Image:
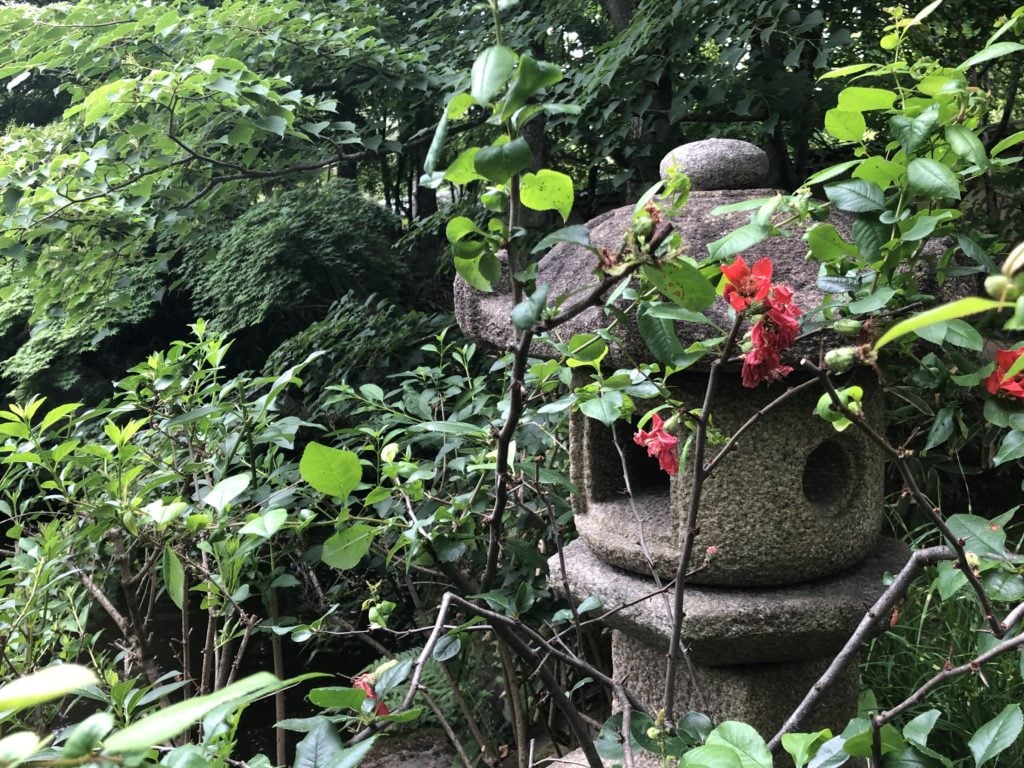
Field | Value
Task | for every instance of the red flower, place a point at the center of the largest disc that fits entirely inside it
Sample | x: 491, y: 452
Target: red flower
x: 661, y: 444
x: 745, y: 286
x: 365, y: 683
x: 763, y: 364
x: 998, y: 384
x: 775, y: 330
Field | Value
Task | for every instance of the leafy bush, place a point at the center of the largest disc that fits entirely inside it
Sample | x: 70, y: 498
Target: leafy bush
x: 287, y: 259
x: 362, y: 340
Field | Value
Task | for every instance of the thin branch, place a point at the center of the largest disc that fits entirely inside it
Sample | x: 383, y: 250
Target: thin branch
x: 899, y: 458
x: 691, y: 519
x: 868, y: 625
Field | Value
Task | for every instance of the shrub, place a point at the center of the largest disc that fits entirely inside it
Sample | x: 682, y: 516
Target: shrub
x: 288, y: 258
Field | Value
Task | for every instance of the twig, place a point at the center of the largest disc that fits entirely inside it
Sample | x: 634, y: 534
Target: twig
x: 899, y: 458
x: 882, y: 607
x: 691, y: 518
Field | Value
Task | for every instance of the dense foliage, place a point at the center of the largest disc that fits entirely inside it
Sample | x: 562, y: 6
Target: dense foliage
x: 287, y: 169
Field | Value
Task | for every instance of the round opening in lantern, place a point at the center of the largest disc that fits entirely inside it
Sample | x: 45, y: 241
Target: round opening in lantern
x: 827, y: 477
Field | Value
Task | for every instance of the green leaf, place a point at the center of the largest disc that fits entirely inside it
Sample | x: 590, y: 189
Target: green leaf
x: 163, y: 725
x: 463, y: 168
x: 459, y: 227
x: 917, y: 730
x: 738, y: 240
x: 481, y: 271
x: 826, y: 174
x: 1010, y: 449
x: 911, y: 133
x: 319, y: 747
x: 959, y: 308
x: 491, y: 71
x: 744, y: 741
x: 711, y: 756
x: 350, y: 757
x: 87, y: 735
x: 577, y: 233
x: 1010, y: 141
x: 447, y: 647
x: 332, y: 471
x: 873, y: 301
x: 660, y: 337
x: 337, y: 697
x: 531, y: 76
x: 17, y: 747
x: 45, y: 685
x: 859, y: 99
x: 436, y: 145
x: 267, y: 524
x: 12, y: 195
x: 174, y: 576
x: 942, y: 428
x: 547, y: 190
x: 966, y: 144
x: 606, y: 408
x: 226, y: 491
x: 682, y: 283
x: 932, y: 178
x: 997, y: 734
x: 980, y: 535
x: 271, y: 124
x: 827, y: 245
x: 459, y: 105
x: 845, y: 125
x: 348, y: 546
x: 994, y: 51
x: 528, y: 311
x: 801, y: 746
x: 500, y: 162
x: 856, y: 196
x: 850, y: 69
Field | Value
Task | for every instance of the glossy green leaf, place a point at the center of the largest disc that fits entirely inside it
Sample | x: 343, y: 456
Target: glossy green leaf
x: 527, y: 312
x: 994, y: 51
x: 337, y: 697
x: 577, y: 233
x: 711, y: 756
x: 227, y: 490
x: 960, y: 308
x: 606, y: 408
x: 861, y: 99
x: 87, y: 735
x: 45, y: 685
x: 463, y: 168
x: 980, y: 535
x: 941, y: 429
x: 801, y: 746
x: 932, y: 178
x: 502, y: 161
x: 320, y: 747
x: 436, y: 145
x: 737, y: 241
x: 997, y: 735
x: 447, y: 647
x: 1010, y: 449
x: 491, y: 71
x: 745, y: 741
x: 856, y: 196
x: 966, y: 144
x: 682, y: 283
x: 530, y: 77
x: 547, y: 190
x: 331, y: 471
x: 482, y: 271
x: 845, y: 125
x: 267, y: 524
x: 174, y: 576
x: 163, y: 725
x: 911, y: 133
x: 827, y: 245
x: 348, y: 546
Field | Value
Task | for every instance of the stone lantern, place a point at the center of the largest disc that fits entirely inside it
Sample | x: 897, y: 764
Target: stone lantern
x: 793, y: 513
